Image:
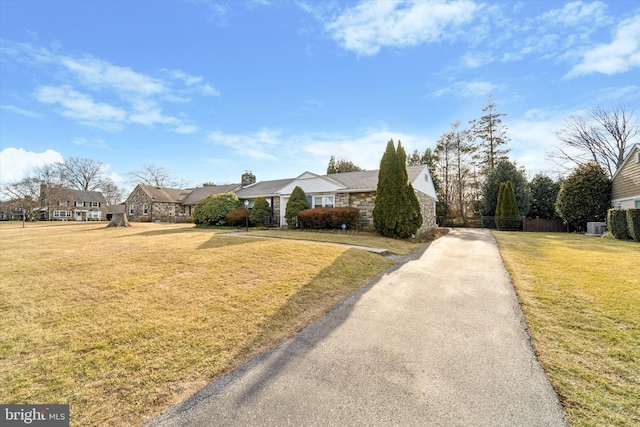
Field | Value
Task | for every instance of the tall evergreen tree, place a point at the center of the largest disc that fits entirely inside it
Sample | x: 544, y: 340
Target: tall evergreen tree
x: 396, y: 213
x: 544, y: 192
x: 297, y: 202
x: 492, y: 135
x: 341, y: 166
x: 503, y: 172
x: 507, y: 213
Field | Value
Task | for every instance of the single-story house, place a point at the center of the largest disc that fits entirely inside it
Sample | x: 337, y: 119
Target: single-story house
x: 349, y: 189
x: 148, y: 203
x: 625, y: 183
x: 76, y: 205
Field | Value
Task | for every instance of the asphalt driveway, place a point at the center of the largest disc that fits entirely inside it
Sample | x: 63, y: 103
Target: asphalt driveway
x: 438, y: 341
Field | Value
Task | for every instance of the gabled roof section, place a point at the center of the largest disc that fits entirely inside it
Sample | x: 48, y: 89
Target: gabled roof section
x: 263, y: 189
x: 627, y: 159
x: 87, y: 196
x: 200, y: 193
x: 164, y: 195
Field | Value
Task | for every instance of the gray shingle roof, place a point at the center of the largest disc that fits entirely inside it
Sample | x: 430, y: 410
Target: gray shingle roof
x: 263, y: 188
x: 87, y: 196
x: 165, y: 195
x: 200, y: 193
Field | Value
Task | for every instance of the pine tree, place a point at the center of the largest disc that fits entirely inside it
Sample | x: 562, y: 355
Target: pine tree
x: 499, y: 206
x: 492, y: 135
x: 507, y: 213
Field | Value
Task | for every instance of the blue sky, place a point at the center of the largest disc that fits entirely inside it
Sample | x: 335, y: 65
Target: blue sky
x: 210, y: 89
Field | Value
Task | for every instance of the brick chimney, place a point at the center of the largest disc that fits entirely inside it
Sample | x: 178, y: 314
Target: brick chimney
x: 248, y: 178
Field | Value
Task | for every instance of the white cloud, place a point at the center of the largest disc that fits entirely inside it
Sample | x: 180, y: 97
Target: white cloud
x: 101, y: 74
x: 619, y: 56
x: 186, y: 129
x: 467, y: 89
x: 262, y: 145
x: 90, y: 142
x: 82, y: 107
x: 18, y: 110
x: 577, y: 13
x: 16, y: 162
x: 369, y: 26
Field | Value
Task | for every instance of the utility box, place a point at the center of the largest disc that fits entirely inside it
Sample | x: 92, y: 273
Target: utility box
x: 596, y: 228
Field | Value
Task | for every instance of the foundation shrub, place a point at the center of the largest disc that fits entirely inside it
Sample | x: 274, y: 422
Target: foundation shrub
x: 328, y: 218
x: 237, y: 218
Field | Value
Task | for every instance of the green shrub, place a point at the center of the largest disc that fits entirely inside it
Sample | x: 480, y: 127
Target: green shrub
x: 633, y: 223
x: 237, y: 217
x: 507, y: 213
x: 617, y: 223
x: 213, y: 209
x: 329, y: 218
x: 297, y: 202
x: 259, y: 212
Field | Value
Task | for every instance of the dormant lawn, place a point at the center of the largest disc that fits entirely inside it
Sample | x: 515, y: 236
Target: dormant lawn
x: 581, y: 299
x: 121, y: 323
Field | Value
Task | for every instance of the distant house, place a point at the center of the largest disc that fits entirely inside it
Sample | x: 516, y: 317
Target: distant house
x: 625, y: 183
x: 349, y: 189
x: 76, y: 205
x: 148, y: 203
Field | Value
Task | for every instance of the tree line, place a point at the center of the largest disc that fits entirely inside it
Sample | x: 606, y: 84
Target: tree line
x: 469, y: 165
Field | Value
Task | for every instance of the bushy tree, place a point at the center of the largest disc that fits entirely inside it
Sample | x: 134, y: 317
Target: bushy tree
x: 213, y: 209
x: 503, y: 172
x: 259, y: 212
x: 397, y: 210
x: 584, y: 196
x: 297, y: 202
x: 544, y: 192
x: 340, y: 166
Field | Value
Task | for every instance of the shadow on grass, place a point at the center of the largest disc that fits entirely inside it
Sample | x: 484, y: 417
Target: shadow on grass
x: 303, y: 336
x: 222, y: 240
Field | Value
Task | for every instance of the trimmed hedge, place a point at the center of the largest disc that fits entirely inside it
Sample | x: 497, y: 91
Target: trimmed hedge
x: 617, y: 223
x: 633, y: 223
x: 329, y: 218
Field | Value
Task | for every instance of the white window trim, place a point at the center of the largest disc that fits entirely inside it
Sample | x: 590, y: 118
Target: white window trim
x: 94, y: 204
x: 325, y: 198
x: 80, y: 204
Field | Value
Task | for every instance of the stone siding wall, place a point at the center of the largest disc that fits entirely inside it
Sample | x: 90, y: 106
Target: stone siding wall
x: 364, y: 202
x: 137, y: 199
x: 428, y: 211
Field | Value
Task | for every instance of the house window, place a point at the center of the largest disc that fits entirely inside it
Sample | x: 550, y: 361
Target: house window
x: 131, y: 210
x: 322, y: 202
x: 63, y: 203
x: 95, y: 215
x: 61, y: 214
x: 145, y: 209
x: 79, y: 204
x: 95, y: 204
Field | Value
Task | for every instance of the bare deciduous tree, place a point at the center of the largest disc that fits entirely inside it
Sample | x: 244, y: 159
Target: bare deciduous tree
x: 82, y: 174
x: 155, y: 176
x: 111, y: 192
x: 25, y: 192
x: 603, y: 137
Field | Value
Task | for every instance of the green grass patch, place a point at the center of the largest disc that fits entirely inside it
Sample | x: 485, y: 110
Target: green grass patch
x: 122, y: 323
x: 581, y: 299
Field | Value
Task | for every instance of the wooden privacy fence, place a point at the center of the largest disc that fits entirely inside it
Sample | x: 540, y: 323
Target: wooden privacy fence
x: 537, y: 224
x: 544, y: 225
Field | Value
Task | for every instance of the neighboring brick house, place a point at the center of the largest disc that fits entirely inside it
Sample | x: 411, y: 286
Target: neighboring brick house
x: 625, y: 183
x: 350, y: 189
x: 148, y: 203
x: 76, y: 205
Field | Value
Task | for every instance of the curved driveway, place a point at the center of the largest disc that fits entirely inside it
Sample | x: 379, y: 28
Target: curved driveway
x: 438, y: 341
